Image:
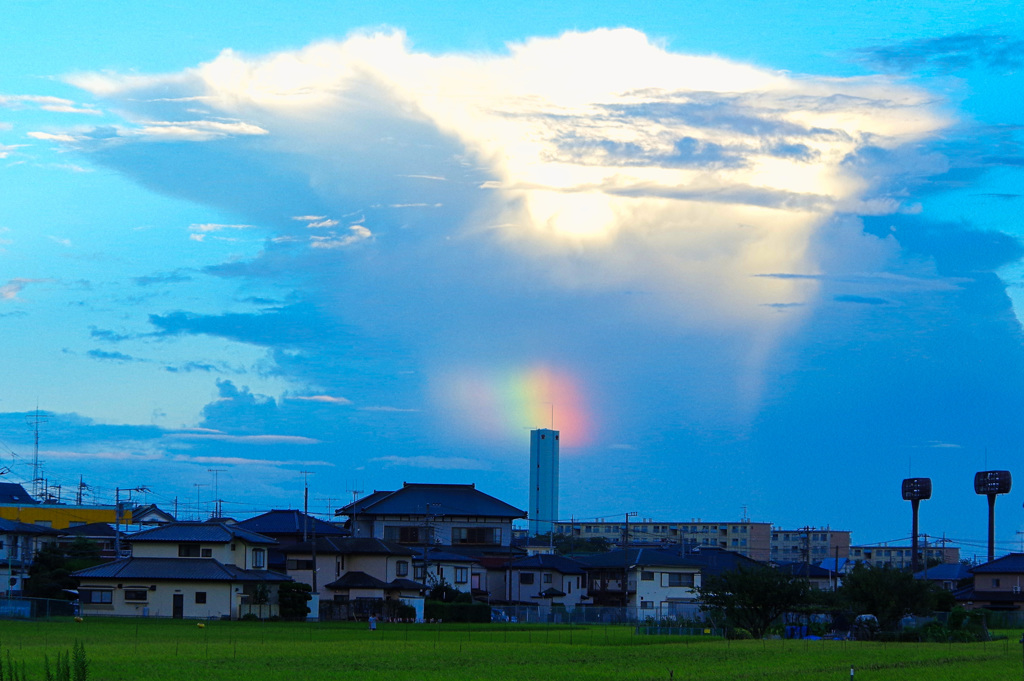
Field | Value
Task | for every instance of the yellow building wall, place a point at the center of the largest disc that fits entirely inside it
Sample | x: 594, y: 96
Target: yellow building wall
x: 61, y: 517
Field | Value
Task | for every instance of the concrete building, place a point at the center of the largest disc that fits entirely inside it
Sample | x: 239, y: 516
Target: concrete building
x: 543, y: 480
x: 900, y: 555
x: 744, y: 537
x: 809, y: 545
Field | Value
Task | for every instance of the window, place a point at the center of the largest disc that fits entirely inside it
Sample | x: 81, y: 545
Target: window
x: 200, y: 597
x: 677, y: 579
x: 44, y: 523
x: 461, y: 575
x: 76, y: 523
x: 188, y: 550
x: 418, y: 572
x: 646, y: 605
x: 259, y: 558
x: 995, y: 582
x: 476, y: 535
x: 646, y: 576
x: 402, y: 568
x: 299, y: 564
x: 136, y: 594
x: 97, y: 597
x: 526, y: 578
x: 206, y: 553
x: 547, y: 577
x: 407, y: 534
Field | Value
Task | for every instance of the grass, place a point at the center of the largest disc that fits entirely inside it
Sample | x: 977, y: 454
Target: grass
x: 158, y: 650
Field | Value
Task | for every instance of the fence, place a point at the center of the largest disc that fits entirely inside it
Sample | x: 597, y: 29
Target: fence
x: 667, y: 615
x: 36, y: 608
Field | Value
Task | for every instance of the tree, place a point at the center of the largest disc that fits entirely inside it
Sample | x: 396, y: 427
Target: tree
x: 292, y: 598
x: 887, y: 593
x: 752, y: 597
x: 49, y: 576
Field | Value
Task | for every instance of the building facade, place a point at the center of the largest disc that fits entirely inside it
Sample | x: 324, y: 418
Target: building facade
x: 543, y: 480
x: 744, y: 537
x: 810, y: 545
x: 901, y: 555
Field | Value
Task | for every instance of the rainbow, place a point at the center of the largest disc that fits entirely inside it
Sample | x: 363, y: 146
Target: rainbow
x: 504, y: 404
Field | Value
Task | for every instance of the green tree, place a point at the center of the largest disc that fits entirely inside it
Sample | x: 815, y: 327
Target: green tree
x: 50, y: 572
x: 887, y: 593
x: 292, y: 598
x: 752, y: 597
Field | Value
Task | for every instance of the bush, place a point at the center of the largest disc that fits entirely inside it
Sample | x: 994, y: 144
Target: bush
x: 457, y: 612
x: 250, y: 617
x: 739, y: 634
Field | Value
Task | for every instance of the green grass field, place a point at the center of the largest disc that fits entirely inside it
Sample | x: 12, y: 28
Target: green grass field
x: 158, y: 650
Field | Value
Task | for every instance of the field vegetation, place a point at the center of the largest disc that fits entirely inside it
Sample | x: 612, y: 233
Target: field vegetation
x: 165, y: 650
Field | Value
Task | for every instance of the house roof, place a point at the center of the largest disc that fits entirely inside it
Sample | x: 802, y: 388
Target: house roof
x: 182, y: 569
x: 13, y: 493
x: 406, y: 585
x: 806, y: 571
x: 550, y: 592
x: 356, y: 580
x: 214, y: 533
x: 290, y: 521
x: 432, y: 499
x: 1013, y: 562
x: 15, y: 527
x: 347, y: 545
x: 150, y: 513
x: 637, y: 557
x: 945, y: 572
x: 93, y: 530
x: 441, y: 555
x: 566, y: 566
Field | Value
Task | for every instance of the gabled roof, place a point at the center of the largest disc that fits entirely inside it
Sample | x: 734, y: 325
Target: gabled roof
x: 13, y: 493
x: 566, y: 566
x: 637, y: 557
x: 804, y: 570
x: 149, y: 514
x: 213, y: 533
x: 1013, y: 562
x: 440, y: 555
x: 290, y: 521
x: 15, y: 527
x: 356, y: 580
x: 181, y: 569
x: 945, y: 572
x: 432, y: 499
x: 92, y: 530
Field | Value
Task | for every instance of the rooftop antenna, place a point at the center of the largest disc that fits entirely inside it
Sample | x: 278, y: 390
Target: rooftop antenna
x: 216, y: 491
x: 34, y: 420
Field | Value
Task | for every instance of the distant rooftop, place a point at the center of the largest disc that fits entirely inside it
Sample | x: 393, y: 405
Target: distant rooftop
x: 432, y: 499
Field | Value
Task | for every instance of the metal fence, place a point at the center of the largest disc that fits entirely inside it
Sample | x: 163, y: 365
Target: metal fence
x: 36, y: 608
x: 665, y: 615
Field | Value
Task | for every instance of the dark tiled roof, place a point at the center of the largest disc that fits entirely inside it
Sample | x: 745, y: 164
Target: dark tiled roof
x: 1013, y: 562
x: 91, y: 530
x: 551, y: 592
x: 15, y: 527
x: 945, y: 572
x: 356, y: 580
x: 566, y: 566
x: 290, y: 522
x: 804, y: 570
x: 437, y: 500
x: 13, y: 493
x: 182, y: 569
x: 438, y: 555
x: 631, y: 557
x: 214, y: 533
x: 406, y: 585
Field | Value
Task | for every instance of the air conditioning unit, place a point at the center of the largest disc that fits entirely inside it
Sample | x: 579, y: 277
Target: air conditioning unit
x: 1016, y: 589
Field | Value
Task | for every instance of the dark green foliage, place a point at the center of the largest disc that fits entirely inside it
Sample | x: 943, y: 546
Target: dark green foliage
x: 292, y: 598
x: 443, y: 591
x: 752, y: 598
x: 887, y: 593
x: 50, y: 573
x: 457, y: 612
x: 71, y: 666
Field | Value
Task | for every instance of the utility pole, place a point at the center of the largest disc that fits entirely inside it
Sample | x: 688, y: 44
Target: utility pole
x: 199, y: 506
x: 305, y: 505
x: 625, y: 563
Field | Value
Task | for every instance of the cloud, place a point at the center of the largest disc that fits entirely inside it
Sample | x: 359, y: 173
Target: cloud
x: 324, y: 399
x: 110, y: 356
x: 46, y: 103
x: 948, y: 53
x: 175, y: 277
x: 247, y: 439
x: 13, y: 287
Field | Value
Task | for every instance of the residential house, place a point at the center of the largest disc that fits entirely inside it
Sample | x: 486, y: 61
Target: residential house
x: 997, y: 585
x: 355, y: 577
x: 190, y: 569
x: 289, y: 526
x: 434, y: 514
x: 646, y: 582
x: 818, y: 577
x: 552, y: 583
x: 19, y: 544
x: 949, y: 576
x: 150, y: 514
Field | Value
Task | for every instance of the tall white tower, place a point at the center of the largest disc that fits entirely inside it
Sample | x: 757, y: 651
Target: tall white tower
x: 543, y: 511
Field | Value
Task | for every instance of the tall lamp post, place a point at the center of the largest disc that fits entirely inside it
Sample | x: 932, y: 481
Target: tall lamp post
x: 992, y: 483
x: 914, y: 490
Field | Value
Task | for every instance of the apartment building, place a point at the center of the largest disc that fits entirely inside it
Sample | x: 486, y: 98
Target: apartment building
x: 744, y: 537
x: 809, y: 545
x: 901, y: 555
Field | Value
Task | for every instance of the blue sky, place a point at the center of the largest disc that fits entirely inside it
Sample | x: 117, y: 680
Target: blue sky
x: 761, y: 256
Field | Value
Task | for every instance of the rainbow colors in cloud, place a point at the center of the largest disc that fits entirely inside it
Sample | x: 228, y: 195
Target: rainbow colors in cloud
x: 508, y: 403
